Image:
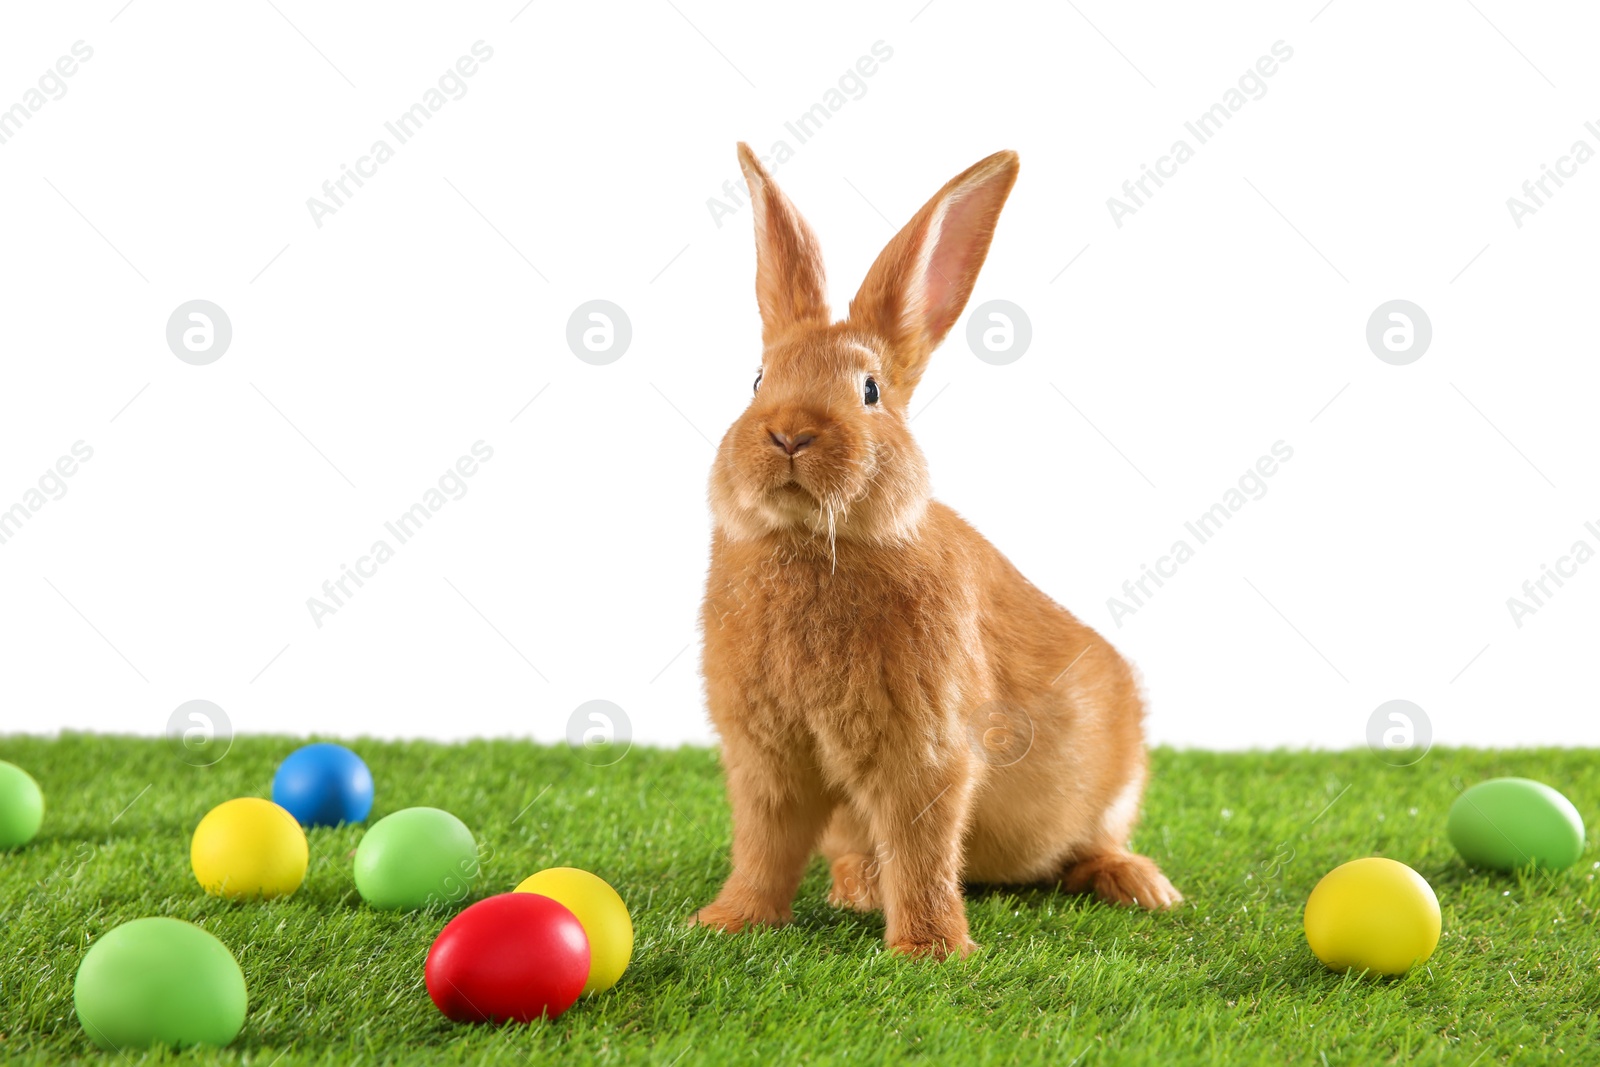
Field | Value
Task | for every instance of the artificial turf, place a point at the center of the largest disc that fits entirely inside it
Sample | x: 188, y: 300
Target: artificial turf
x: 1226, y: 978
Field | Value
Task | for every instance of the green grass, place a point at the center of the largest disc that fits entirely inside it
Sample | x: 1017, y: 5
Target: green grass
x: 1060, y: 980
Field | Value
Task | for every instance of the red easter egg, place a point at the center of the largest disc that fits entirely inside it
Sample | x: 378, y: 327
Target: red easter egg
x: 512, y: 956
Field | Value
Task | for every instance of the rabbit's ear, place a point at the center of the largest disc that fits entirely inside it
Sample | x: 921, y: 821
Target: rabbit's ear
x: 921, y: 280
x: 790, y: 289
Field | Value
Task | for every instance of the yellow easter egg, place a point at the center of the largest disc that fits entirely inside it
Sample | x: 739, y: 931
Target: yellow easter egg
x: 601, y: 912
x: 1372, y: 914
x: 248, y: 848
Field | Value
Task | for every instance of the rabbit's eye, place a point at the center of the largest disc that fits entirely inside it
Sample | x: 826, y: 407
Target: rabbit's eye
x: 757, y: 387
x: 872, y: 391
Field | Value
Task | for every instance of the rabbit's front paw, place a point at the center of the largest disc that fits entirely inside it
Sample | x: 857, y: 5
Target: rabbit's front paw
x: 937, y: 934
x: 937, y: 949
x: 731, y: 919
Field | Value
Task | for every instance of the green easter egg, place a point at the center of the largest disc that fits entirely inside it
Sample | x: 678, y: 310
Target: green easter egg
x: 416, y: 858
x: 21, y: 806
x: 159, y: 982
x: 1507, y: 823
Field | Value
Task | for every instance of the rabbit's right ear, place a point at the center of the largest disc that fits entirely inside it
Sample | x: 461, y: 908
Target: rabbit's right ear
x: 790, y: 289
x: 920, y: 282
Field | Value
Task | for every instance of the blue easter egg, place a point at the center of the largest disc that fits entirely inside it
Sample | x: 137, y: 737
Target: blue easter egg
x: 323, y: 785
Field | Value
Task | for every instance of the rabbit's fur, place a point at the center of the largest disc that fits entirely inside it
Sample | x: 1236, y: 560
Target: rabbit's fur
x: 888, y: 688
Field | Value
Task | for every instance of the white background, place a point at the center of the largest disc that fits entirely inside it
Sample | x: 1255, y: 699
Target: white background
x: 1227, y: 314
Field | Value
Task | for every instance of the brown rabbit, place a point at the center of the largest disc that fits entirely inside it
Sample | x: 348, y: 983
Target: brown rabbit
x: 887, y: 687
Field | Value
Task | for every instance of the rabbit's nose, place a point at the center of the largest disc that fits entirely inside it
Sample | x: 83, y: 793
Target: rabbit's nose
x: 789, y: 444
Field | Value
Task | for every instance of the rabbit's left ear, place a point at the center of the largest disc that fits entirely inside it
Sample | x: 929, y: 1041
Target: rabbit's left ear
x: 790, y: 289
x: 921, y: 280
